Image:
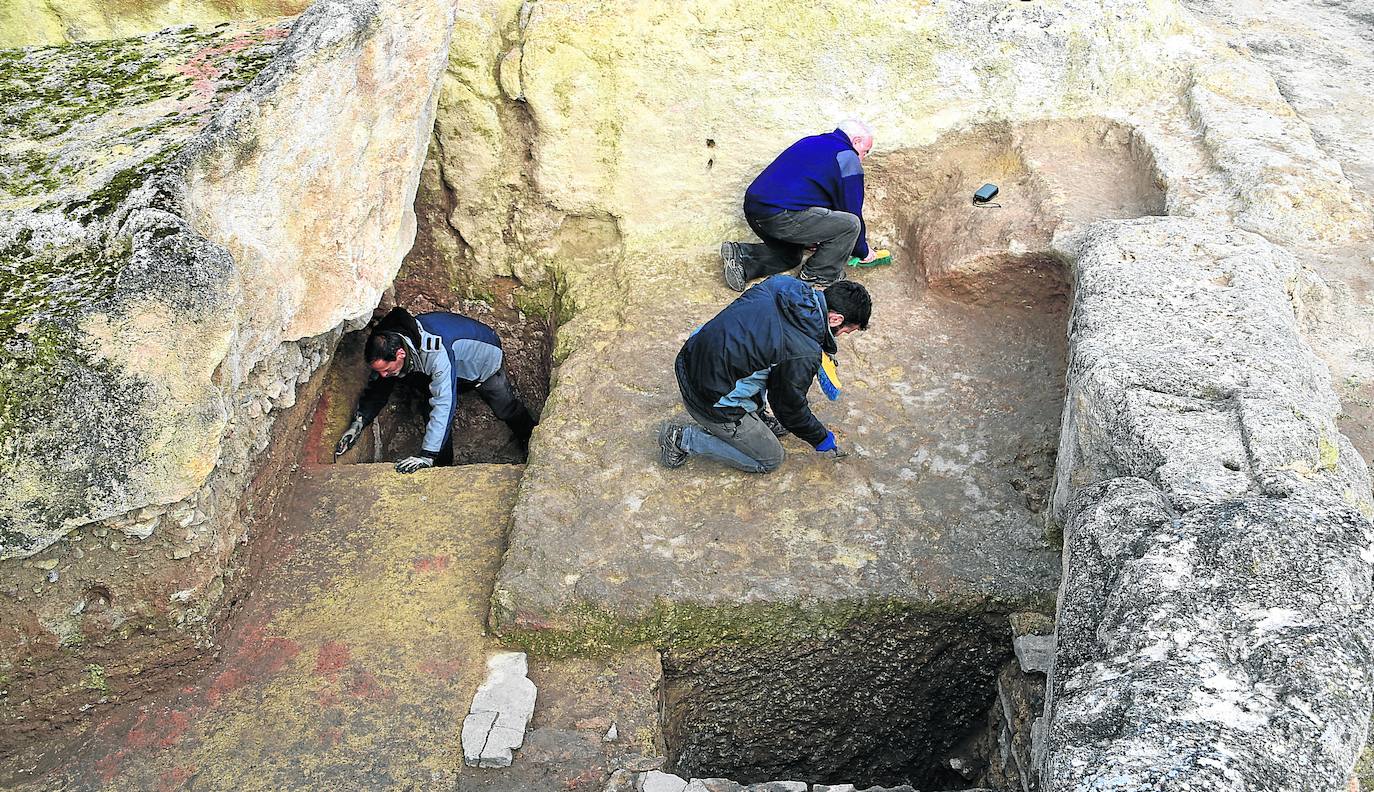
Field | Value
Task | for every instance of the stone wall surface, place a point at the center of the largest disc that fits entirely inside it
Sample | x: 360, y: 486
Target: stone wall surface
x: 647, y: 122
x: 186, y: 240
x: 1213, y: 629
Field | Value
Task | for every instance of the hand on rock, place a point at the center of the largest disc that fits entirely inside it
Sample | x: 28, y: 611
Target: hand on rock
x: 350, y: 436
x: 828, y: 447
x: 412, y: 464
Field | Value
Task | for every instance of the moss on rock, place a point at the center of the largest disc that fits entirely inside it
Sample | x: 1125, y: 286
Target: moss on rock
x: 587, y: 630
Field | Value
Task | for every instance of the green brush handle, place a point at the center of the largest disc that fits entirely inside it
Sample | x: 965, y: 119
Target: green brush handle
x: 881, y: 259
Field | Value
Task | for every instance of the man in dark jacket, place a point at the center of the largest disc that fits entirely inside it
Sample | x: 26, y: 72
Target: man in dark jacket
x: 811, y: 196
x: 768, y: 341
x: 452, y: 354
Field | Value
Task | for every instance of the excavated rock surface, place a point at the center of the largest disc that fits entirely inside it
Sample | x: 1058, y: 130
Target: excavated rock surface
x: 598, y: 154
x: 352, y: 665
x: 1213, y: 628
x: 185, y: 256
x: 936, y: 509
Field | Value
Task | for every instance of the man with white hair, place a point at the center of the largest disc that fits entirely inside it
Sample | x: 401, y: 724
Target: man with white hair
x: 811, y: 196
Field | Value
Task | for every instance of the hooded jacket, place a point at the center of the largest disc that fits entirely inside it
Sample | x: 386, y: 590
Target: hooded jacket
x: 455, y: 352
x: 770, y: 338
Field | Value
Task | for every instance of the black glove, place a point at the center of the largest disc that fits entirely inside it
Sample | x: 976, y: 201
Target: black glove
x: 350, y: 436
x: 414, y: 463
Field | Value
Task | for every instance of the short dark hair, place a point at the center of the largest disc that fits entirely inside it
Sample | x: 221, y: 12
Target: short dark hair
x: 382, y: 346
x: 850, y: 300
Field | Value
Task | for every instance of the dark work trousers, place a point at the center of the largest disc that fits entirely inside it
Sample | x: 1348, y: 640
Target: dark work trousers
x: 747, y: 444
x: 500, y: 397
x: 787, y: 234
x: 495, y: 392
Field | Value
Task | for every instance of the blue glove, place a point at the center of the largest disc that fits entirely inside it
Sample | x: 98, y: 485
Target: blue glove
x: 828, y: 444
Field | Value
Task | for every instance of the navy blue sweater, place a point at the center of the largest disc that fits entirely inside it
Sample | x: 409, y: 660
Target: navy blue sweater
x: 820, y: 170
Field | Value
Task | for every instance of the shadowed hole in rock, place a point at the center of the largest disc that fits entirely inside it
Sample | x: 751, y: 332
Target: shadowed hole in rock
x: 479, y: 437
x: 876, y: 703
x: 977, y: 296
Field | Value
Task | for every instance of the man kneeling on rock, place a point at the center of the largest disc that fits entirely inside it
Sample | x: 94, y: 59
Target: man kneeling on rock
x: 455, y: 354
x: 768, y: 341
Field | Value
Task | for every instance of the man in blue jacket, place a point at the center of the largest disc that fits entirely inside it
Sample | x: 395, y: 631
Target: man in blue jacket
x: 454, y: 354
x: 811, y: 196
x: 768, y: 341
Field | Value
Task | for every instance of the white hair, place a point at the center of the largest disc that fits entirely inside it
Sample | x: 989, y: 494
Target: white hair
x: 855, y: 128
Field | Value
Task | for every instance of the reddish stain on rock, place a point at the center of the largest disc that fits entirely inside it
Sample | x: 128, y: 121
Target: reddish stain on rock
x: 442, y: 669
x: 257, y: 656
x: 333, y: 656
x: 107, y: 767
x: 175, y: 779
x: 158, y: 729
x: 435, y: 563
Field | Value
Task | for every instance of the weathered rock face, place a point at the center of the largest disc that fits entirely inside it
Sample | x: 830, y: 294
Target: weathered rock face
x: 27, y: 23
x: 188, y: 255
x: 1213, y: 623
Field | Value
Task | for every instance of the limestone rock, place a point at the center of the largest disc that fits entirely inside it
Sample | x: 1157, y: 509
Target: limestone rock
x: 1034, y: 652
x: 658, y: 781
x: 1212, y: 627
x: 193, y: 242
x: 713, y: 785
x: 181, y: 264
x: 25, y: 24
x: 500, y: 712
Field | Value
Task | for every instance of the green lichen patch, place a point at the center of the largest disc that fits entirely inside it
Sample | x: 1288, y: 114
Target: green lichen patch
x: 45, y: 282
x: 94, y: 679
x: 586, y: 630
x: 72, y: 116
x: 55, y: 392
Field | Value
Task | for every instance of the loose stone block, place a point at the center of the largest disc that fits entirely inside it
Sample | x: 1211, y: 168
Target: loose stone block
x: 501, y: 709
x: 1034, y: 652
x: 714, y: 785
x: 659, y: 781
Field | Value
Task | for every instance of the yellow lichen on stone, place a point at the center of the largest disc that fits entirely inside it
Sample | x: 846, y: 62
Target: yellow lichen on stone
x: 1327, y: 454
x: 387, y: 639
x: 27, y: 23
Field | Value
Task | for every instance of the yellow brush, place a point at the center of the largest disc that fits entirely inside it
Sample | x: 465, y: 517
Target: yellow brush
x: 880, y: 257
x: 828, y: 378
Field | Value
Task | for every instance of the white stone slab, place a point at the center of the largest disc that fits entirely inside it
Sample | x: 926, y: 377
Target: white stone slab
x: 501, y: 709
x: 659, y: 781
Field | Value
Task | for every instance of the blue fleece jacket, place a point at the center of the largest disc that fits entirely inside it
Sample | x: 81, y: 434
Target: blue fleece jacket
x: 820, y: 170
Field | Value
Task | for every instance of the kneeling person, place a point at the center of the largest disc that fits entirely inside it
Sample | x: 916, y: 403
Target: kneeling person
x: 769, y: 340
x: 456, y: 354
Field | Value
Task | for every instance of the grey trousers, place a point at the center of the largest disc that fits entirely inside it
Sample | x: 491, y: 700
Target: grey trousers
x: 747, y: 444
x: 786, y: 236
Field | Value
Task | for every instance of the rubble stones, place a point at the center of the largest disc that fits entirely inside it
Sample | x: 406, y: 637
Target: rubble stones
x: 658, y: 781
